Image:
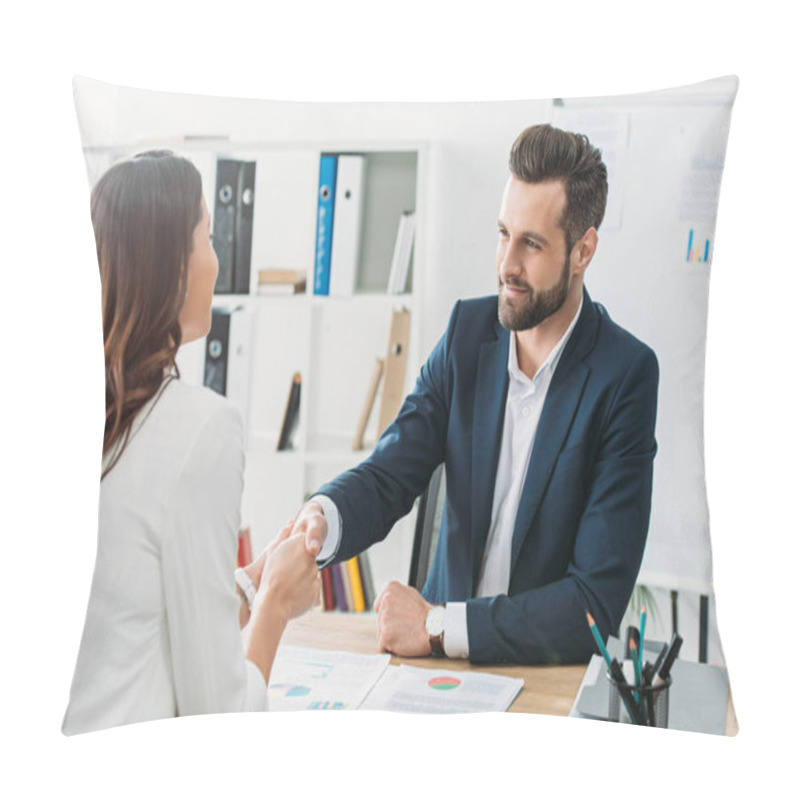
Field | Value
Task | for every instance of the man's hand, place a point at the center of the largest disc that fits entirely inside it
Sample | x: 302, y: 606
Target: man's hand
x: 401, y: 621
x: 310, y: 521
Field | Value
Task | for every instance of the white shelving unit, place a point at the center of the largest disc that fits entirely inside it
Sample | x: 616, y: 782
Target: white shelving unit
x: 333, y: 342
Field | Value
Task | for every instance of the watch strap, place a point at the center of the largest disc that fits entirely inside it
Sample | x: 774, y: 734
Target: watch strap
x: 435, y: 628
x: 437, y: 645
x: 246, y: 585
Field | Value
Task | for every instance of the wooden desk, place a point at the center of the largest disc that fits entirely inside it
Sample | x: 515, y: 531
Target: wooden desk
x: 547, y: 690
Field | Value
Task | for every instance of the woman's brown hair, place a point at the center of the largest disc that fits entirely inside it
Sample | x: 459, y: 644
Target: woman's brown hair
x: 144, y: 212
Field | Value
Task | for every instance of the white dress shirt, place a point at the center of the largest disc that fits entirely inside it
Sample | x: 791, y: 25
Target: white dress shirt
x: 161, y: 636
x: 524, y: 405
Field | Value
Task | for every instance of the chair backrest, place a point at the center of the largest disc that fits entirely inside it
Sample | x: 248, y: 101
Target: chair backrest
x: 426, y: 532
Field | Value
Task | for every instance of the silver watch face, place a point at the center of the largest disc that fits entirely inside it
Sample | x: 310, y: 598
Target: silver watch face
x: 434, y: 623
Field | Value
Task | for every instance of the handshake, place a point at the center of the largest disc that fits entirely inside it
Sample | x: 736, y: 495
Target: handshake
x: 286, y: 577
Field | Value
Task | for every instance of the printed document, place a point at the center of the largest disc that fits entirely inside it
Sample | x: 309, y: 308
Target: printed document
x: 437, y: 691
x: 305, y: 678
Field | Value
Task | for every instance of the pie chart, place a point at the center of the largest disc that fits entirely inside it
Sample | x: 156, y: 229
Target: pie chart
x: 444, y: 683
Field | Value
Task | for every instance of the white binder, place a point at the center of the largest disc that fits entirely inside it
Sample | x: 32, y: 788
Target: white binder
x: 401, y: 259
x: 347, y: 224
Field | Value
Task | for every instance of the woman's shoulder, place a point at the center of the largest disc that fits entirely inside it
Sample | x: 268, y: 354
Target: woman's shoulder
x: 206, y: 430
x: 197, y: 410
x: 197, y: 401
x: 181, y: 419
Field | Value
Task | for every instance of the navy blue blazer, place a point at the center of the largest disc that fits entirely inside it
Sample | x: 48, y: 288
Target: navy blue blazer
x: 583, y: 517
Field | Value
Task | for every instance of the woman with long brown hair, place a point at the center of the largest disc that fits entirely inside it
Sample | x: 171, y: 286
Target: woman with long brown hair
x: 166, y: 622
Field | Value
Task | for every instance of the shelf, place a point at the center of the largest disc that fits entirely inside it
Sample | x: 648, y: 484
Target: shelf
x: 237, y: 146
x: 266, y: 443
x: 324, y: 448
x: 314, y: 299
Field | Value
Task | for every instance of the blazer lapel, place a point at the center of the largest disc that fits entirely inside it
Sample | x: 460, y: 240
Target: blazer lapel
x: 487, y: 428
x: 560, y: 406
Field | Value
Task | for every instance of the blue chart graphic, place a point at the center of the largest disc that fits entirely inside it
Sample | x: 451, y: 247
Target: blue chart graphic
x: 318, y: 670
x: 325, y: 704
x: 291, y: 690
x: 695, y: 252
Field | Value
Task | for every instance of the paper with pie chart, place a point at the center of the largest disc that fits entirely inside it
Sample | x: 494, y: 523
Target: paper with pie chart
x: 322, y: 680
x: 435, y: 691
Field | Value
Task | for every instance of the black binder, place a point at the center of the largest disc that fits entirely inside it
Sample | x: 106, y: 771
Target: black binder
x: 233, y: 224
x: 291, y: 415
x: 215, y: 374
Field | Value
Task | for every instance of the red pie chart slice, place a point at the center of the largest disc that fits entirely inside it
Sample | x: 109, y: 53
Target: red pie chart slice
x: 444, y: 683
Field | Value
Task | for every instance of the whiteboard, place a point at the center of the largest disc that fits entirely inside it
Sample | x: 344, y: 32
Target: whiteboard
x: 665, y: 154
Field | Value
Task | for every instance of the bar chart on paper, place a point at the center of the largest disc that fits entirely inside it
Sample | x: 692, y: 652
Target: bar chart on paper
x: 698, y: 248
x: 308, y: 679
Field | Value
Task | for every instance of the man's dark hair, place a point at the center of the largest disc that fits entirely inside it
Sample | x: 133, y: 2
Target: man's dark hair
x: 543, y: 153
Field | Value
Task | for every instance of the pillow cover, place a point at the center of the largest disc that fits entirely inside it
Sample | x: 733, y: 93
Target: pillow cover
x: 446, y: 163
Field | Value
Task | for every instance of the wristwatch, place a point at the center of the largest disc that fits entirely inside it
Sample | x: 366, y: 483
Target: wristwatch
x: 246, y: 586
x: 434, y: 625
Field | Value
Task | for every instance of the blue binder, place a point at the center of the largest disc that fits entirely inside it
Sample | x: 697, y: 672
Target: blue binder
x: 325, y: 211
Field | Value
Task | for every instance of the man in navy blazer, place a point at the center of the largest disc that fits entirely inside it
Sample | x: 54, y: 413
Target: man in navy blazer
x: 543, y: 411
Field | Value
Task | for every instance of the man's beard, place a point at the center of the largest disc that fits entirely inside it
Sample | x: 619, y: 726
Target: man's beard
x: 537, y: 308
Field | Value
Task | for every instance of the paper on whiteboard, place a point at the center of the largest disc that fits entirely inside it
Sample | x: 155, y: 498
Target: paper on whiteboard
x: 311, y: 679
x: 609, y: 131
x: 700, y: 193
x: 702, y: 180
x: 436, y: 691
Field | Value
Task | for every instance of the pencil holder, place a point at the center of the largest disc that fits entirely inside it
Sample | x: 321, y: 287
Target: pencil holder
x: 640, y: 705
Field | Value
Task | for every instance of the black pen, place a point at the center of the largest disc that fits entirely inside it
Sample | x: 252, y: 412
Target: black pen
x: 661, y: 672
x: 625, y: 693
x: 660, y: 658
x: 647, y: 677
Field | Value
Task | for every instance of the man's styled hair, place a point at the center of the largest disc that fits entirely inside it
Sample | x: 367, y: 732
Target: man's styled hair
x: 543, y: 153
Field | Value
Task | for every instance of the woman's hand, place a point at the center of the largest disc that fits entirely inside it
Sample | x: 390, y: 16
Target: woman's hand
x: 290, y: 582
x: 255, y: 569
x: 288, y: 585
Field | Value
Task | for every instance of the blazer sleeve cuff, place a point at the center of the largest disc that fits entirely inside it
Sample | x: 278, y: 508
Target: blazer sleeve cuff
x: 334, y: 521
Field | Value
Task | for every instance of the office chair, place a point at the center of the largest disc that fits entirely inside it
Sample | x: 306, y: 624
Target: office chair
x: 426, y: 531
